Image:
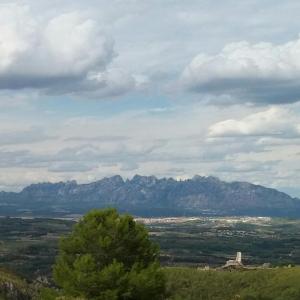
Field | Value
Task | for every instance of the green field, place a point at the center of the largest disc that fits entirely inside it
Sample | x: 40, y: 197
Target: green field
x: 29, y: 246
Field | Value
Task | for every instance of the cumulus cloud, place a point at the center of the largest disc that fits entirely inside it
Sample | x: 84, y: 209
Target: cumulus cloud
x: 66, y: 53
x: 255, y: 73
x: 276, y: 121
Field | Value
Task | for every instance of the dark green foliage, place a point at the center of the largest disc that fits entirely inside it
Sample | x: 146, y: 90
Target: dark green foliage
x: 47, y: 294
x: 108, y: 256
x: 272, y: 284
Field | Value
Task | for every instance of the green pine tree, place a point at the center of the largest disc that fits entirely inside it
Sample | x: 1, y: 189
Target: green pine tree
x: 109, y: 257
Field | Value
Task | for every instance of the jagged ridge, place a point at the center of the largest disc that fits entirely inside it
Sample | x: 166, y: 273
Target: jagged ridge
x: 150, y: 196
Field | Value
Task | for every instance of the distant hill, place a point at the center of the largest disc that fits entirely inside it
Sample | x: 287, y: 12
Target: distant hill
x: 150, y: 196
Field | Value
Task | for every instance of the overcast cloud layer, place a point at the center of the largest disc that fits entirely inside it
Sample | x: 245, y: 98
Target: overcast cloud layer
x: 168, y: 88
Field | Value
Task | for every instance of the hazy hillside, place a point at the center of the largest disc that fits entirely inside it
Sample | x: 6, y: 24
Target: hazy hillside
x: 149, y: 196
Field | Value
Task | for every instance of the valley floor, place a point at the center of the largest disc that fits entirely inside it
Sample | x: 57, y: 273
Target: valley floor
x: 29, y: 246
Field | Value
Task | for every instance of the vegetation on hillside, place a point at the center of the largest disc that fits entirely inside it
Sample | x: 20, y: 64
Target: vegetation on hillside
x: 14, y: 288
x: 269, y: 284
x: 191, y: 284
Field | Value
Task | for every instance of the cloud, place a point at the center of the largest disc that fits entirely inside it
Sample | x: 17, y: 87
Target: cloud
x: 247, y: 167
x: 23, y: 136
x: 81, y: 158
x: 66, y: 53
x: 111, y: 83
x: 276, y: 121
x: 66, y: 158
x: 65, y: 167
x: 129, y: 166
x: 254, y: 73
x: 99, y: 138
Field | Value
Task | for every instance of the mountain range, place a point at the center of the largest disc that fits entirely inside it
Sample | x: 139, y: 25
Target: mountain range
x: 150, y: 196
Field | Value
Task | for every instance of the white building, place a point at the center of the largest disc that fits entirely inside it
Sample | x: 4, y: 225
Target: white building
x: 237, y: 262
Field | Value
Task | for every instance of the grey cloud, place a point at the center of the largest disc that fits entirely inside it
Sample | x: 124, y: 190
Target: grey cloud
x: 109, y: 83
x: 256, y: 73
x: 181, y: 31
x: 247, y: 167
x: 129, y: 166
x: 109, y: 164
x: 29, y: 136
x: 176, y: 171
x: 213, y: 150
x: 231, y: 147
x: 21, y: 159
x: 276, y: 122
x: 279, y: 141
x: 77, y: 159
x: 63, y: 167
x: 99, y: 138
x: 65, y: 53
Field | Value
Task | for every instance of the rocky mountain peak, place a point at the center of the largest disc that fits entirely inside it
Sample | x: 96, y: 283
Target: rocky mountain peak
x: 143, y: 180
x: 116, y: 179
x: 152, y: 196
x: 206, y: 178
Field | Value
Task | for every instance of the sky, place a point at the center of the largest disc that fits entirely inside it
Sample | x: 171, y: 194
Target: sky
x: 90, y: 89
